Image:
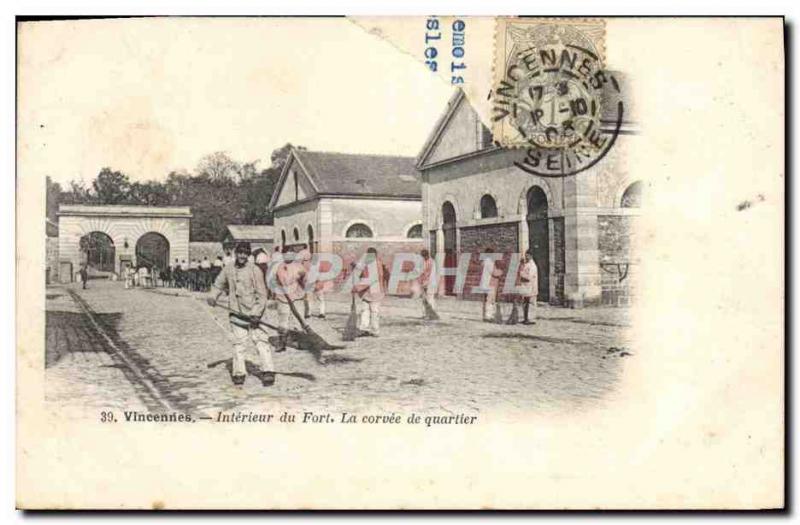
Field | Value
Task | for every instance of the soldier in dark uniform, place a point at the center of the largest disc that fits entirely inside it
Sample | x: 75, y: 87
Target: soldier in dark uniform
x: 84, y: 273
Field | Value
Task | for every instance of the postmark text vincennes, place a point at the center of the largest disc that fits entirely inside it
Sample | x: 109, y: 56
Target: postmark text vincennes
x: 548, y: 95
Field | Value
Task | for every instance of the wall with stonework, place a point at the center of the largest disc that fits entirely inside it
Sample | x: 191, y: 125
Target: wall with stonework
x: 558, y: 268
x: 121, y: 229
x: 198, y: 250
x: 502, y: 238
x: 618, y: 261
x: 463, y: 183
x: 298, y: 216
x: 389, y: 220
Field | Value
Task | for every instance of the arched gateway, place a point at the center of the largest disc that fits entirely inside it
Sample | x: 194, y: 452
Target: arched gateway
x: 112, y: 237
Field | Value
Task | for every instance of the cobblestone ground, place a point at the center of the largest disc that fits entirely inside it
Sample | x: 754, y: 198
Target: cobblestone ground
x: 161, y: 350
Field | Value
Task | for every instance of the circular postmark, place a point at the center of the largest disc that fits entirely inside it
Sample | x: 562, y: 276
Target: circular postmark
x: 557, y: 102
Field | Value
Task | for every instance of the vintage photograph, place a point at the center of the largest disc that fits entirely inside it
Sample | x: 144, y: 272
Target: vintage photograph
x: 491, y: 255
x: 448, y: 279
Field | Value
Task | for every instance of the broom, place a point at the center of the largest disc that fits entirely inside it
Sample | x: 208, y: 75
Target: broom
x: 498, y: 313
x: 351, y: 328
x: 318, y: 344
x: 430, y: 313
x: 514, y: 317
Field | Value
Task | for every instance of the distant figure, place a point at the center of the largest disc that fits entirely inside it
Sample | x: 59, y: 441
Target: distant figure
x: 529, y: 280
x: 127, y: 276
x: 216, y: 268
x: 205, y: 274
x: 84, y: 273
x: 274, y: 263
x: 180, y: 274
x: 144, y: 275
x: 193, y: 275
x: 321, y: 286
x: 490, y: 299
x: 262, y: 261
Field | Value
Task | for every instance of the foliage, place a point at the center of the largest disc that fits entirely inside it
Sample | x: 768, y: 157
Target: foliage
x: 221, y: 191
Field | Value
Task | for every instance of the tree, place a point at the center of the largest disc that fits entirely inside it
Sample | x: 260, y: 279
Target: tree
x: 111, y: 187
x: 256, y: 193
x: 220, y: 192
x: 218, y: 166
x: 150, y: 193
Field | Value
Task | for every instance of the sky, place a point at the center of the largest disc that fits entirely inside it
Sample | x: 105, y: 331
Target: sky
x: 148, y: 96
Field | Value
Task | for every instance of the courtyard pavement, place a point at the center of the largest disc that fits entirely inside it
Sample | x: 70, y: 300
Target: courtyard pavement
x: 161, y: 350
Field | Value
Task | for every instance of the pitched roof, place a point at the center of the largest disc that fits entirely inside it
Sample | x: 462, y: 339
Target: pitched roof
x: 244, y: 232
x: 355, y: 174
x: 438, y: 128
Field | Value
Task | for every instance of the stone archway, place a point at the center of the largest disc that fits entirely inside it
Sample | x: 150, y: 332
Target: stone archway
x: 539, y: 237
x: 98, y: 251
x: 450, y: 230
x: 152, y: 250
x: 125, y: 225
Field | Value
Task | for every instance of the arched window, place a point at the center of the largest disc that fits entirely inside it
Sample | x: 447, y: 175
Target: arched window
x: 632, y: 198
x: 537, y: 203
x: 488, y: 207
x: 415, y: 232
x: 283, y: 238
x: 448, y: 215
x: 296, y: 234
x: 310, y: 232
x: 358, y: 230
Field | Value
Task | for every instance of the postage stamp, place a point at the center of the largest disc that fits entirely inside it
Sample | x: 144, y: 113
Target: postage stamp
x: 549, y: 92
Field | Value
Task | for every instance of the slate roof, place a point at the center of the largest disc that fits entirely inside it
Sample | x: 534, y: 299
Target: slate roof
x: 250, y: 232
x: 355, y: 174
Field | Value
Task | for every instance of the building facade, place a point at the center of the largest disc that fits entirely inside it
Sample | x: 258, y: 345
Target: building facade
x: 258, y: 235
x: 344, y: 203
x: 111, y: 237
x: 579, y: 227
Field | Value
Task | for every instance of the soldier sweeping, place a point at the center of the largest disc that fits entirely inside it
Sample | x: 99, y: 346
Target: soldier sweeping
x: 315, y: 291
x: 424, y: 287
x: 290, y: 276
x: 247, y: 295
x: 495, y: 272
x: 371, y: 289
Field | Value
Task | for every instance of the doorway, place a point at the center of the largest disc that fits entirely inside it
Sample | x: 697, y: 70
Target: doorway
x: 539, y: 238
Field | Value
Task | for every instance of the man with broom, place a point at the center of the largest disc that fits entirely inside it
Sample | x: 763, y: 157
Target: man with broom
x: 247, y: 295
x: 290, y: 276
x: 371, y: 288
x: 425, y: 288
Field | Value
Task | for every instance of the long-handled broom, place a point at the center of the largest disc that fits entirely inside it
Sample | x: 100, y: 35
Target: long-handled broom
x: 498, y: 313
x: 514, y: 317
x: 318, y: 344
x: 430, y: 313
x: 351, y: 328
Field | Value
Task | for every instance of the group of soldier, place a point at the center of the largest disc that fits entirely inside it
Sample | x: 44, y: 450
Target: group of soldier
x: 251, y: 281
x: 196, y: 276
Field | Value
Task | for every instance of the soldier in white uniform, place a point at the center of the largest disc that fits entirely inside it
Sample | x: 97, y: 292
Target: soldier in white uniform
x: 529, y: 282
